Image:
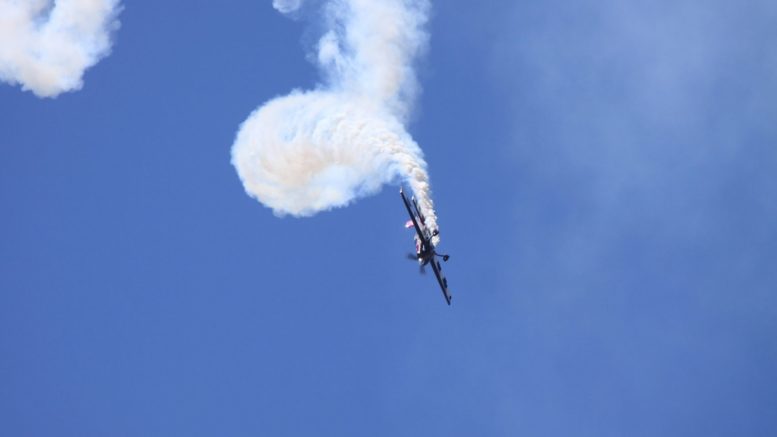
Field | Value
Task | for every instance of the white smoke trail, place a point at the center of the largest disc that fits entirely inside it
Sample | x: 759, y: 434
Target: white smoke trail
x: 46, y: 45
x: 315, y: 150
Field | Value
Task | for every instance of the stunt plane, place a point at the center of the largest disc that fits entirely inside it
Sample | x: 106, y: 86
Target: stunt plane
x: 424, y: 249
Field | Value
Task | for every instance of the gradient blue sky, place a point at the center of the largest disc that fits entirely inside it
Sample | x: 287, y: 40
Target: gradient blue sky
x: 606, y: 180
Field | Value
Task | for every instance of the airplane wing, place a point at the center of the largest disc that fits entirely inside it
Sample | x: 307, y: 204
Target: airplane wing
x: 420, y: 228
x: 441, y: 279
x: 414, y: 218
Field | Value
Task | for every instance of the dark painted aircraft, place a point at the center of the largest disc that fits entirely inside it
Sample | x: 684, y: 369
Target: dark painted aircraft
x: 424, y: 248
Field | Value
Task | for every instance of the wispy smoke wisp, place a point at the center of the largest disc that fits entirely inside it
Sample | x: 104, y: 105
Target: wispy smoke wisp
x: 286, y: 6
x: 315, y: 150
x: 46, y: 45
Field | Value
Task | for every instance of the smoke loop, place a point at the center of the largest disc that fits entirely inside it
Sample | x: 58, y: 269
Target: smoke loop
x: 46, y: 45
x: 311, y: 151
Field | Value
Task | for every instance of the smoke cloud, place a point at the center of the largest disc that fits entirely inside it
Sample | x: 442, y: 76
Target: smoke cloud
x: 315, y: 150
x: 46, y: 45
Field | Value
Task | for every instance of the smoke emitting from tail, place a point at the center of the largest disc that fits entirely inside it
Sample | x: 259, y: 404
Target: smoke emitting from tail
x: 315, y: 150
x: 46, y: 45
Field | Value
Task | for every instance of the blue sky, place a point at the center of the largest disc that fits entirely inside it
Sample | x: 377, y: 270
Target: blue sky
x: 604, y: 175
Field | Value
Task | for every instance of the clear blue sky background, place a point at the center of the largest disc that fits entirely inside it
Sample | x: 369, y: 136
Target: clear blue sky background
x: 606, y: 180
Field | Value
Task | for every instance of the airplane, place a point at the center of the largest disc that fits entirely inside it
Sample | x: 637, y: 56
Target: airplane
x: 425, y: 253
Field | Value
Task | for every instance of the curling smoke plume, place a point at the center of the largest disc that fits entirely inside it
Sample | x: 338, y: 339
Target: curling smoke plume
x: 315, y: 150
x: 46, y: 45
